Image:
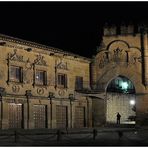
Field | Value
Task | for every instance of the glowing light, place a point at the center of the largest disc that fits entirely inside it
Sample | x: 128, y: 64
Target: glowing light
x: 132, y: 102
x: 124, y: 85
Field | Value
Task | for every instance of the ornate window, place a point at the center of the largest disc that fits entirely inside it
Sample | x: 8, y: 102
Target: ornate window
x: 16, y: 74
x: 40, y: 77
x: 79, y: 83
x: 62, y: 80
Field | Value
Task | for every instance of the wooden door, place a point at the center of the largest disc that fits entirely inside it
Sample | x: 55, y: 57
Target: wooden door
x: 15, y: 115
x: 40, y: 116
x: 61, y: 116
x: 79, y: 117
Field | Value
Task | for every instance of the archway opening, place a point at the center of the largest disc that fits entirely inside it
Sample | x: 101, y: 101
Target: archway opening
x: 120, y: 99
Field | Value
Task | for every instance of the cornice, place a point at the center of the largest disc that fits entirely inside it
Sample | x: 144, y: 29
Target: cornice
x: 40, y: 46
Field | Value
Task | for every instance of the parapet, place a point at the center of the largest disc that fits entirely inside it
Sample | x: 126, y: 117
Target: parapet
x: 110, y: 30
x: 123, y: 29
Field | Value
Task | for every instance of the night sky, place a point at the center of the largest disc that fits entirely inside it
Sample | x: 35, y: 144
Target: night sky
x: 70, y: 26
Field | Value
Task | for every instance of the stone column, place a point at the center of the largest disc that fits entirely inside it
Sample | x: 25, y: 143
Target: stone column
x: 144, y: 53
x: 71, y: 114
x: 5, y: 124
x: 25, y: 111
x: 0, y: 113
x: 29, y: 107
x: 145, y: 40
x: 93, y: 74
x: 30, y: 115
x: 53, y: 120
x: 89, y: 112
x: 49, y: 106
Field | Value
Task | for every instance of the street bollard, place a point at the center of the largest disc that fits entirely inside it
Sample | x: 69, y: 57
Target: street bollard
x: 59, y: 135
x: 15, y: 136
x: 94, y: 134
x: 120, y: 134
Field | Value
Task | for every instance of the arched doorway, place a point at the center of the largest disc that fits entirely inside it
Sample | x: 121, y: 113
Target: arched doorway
x: 120, y: 97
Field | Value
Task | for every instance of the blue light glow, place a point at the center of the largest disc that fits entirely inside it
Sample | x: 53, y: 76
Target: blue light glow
x: 124, y: 85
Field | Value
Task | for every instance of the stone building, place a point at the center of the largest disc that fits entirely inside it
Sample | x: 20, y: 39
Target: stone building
x: 45, y: 87
x: 38, y: 86
x: 120, y: 73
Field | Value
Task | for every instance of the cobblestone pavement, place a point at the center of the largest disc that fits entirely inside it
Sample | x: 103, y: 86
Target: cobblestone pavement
x: 104, y: 137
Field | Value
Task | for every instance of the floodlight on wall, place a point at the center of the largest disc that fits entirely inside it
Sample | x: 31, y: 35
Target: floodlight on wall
x: 124, y: 85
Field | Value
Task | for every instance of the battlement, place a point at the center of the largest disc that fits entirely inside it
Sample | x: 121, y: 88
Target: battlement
x: 123, y: 29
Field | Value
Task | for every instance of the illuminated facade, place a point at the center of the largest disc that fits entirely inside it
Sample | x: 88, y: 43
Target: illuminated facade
x: 120, y: 72
x: 45, y: 87
x: 39, y: 86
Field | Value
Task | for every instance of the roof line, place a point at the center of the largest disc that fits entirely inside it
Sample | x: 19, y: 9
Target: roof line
x: 34, y: 44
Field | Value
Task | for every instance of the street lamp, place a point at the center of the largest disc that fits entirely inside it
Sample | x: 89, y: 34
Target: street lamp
x: 71, y: 97
x: 132, y: 102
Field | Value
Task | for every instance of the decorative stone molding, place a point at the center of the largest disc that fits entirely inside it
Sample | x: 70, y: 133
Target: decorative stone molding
x: 60, y: 64
x: 16, y: 101
x: 15, y: 57
x: 61, y: 92
x: 10, y: 100
x: 118, y: 56
x: 36, y: 45
x: 15, y: 88
x: 40, y: 60
x: 28, y: 65
x: 27, y: 71
x: 40, y: 91
x: 2, y: 91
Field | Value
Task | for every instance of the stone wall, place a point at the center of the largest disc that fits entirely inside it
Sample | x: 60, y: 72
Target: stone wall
x: 31, y: 57
x: 117, y: 102
x: 123, y: 54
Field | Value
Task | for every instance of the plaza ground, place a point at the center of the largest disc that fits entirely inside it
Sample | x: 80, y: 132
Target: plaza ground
x: 103, y: 136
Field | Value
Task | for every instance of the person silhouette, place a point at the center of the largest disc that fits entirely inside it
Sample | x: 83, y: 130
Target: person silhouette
x: 118, y: 118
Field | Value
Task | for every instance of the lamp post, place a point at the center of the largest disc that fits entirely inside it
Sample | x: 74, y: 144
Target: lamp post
x: 71, y: 98
x: 51, y: 95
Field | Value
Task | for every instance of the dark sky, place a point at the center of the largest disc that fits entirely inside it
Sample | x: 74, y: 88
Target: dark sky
x: 71, y: 26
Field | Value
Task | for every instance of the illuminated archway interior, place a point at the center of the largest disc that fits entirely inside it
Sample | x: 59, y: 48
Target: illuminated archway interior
x: 121, y: 85
x: 121, y: 98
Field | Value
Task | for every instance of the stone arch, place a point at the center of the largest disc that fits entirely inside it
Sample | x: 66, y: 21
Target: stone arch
x: 121, y: 78
x: 107, y: 84
x: 122, y: 41
x: 119, y: 101
x: 111, y: 74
